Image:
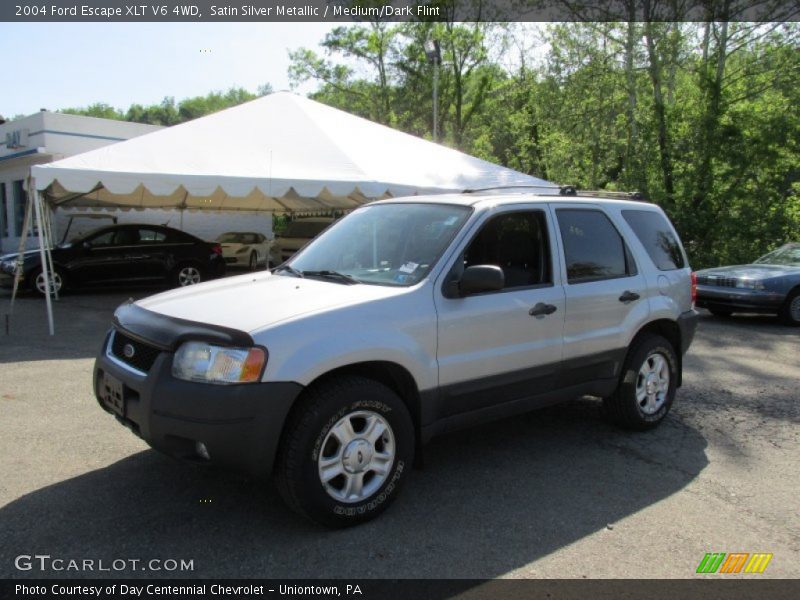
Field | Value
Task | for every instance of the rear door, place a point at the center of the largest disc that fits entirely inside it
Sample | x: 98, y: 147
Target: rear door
x: 605, y: 292
x: 491, y: 348
x: 148, y: 257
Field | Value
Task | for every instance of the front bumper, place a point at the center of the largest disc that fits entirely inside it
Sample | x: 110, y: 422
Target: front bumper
x: 240, y: 425
x: 738, y: 300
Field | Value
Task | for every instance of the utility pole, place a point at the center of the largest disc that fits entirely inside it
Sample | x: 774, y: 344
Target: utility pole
x: 433, y: 52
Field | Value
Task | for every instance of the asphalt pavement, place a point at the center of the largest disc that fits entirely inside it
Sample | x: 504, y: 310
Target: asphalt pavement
x: 556, y: 493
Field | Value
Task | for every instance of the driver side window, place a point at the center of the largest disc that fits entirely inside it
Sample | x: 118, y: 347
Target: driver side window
x: 516, y: 242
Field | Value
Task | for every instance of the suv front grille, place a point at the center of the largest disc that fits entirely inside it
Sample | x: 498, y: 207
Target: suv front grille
x: 143, y: 355
x: 718, y: 281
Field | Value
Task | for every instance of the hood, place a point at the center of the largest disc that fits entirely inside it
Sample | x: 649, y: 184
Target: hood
x: 14, y: 255
x: 751, y: 271
x: 254, y: 301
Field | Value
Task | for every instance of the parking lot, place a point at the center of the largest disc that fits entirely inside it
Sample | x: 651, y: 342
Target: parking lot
x: 557, y: 493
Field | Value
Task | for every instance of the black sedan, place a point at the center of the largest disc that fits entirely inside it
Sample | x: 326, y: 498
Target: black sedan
x: 122, y: 254
x: 771, y: 284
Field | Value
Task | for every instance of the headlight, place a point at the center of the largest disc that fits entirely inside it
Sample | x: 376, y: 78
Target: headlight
x: 198, y: 361
x: 749, y: 284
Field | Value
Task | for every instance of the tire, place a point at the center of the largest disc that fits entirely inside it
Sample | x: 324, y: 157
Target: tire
x: 253, y: 263
x: 36, y: 281
x: 720, y: 312
x: 187, y: 274
x: 647, y: 384
x: 790, y: 311
x: 316, y: 439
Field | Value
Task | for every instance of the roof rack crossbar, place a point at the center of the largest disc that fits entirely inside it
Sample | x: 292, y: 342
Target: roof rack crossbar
x: 550, y: 187
x: 571, y: 190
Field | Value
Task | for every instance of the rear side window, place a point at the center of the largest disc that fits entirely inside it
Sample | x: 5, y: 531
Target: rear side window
x: 656, y: 236
x: 593, y: 248
x: 152, y: 235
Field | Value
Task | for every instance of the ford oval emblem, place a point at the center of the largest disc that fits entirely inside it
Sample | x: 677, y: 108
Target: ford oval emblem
x: 128, y: 351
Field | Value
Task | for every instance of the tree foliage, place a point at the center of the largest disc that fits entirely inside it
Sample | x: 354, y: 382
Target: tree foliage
x: 701, y: 117
x: 168, y: 112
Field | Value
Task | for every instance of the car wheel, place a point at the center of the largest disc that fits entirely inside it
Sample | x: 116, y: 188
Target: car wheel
x: 647, y: 385
x: 253, y: 261
x: 790, y: 313
x: 186, y: 275
x: 345, y: 452
x: 720, y: 312
x: 57, y: 282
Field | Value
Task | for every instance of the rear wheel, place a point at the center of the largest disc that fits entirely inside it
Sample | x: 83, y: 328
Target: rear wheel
x: 253, y: 261
x: 648, y: 384
x: 57, y: 282
x: 186, y: 275
x: 346, y: 450
x: 720, y: 312
x: 790, y: 312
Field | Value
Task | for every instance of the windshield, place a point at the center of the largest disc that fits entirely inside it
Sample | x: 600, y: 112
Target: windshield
x: 384, y: 244
x: 237, y: 238
x: 305, y: 229
x: 785, y: 255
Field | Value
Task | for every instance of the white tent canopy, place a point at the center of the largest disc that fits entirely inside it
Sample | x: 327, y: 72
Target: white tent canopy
x: 281, y: 152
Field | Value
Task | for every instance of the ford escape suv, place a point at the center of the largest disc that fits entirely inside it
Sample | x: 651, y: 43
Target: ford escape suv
x: 406, y: 319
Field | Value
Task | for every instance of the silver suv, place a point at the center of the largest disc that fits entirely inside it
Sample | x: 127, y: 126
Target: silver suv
x: 404, y: 320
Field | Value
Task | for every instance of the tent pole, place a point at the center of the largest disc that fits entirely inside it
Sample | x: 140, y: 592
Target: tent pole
x: 26, y: 225
x: 42, y: 254
x: 48, y: 239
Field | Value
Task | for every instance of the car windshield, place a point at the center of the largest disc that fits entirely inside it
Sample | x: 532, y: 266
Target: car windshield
x: 383, y: 244
x: 305, y: 229
x: 785, y: 255
x: 237, y: 238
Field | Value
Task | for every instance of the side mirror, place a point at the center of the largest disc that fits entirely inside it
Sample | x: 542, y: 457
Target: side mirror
x: 481, y: 278
x: 87, y: 245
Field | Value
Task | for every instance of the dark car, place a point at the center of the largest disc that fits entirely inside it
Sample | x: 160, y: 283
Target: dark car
x: 122, y: 254
x: 771, y: 284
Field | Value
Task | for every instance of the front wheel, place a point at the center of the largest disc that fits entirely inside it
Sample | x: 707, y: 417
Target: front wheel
x: 253, y: 261
x: 790, y: 313
x: 647, y: 386
x: 57, y: 281
x: 346, y: 451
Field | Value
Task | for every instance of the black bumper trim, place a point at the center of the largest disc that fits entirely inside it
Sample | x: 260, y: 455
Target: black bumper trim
x: 687, y: 323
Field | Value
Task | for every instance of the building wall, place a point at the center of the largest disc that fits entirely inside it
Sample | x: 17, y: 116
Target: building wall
x: 41, y: 138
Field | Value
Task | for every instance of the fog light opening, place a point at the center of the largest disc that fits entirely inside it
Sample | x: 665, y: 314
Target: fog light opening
x: 201, y: 450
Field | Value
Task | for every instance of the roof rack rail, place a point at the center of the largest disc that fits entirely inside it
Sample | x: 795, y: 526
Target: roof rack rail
x: 554, y: 189
x: 571, y: 190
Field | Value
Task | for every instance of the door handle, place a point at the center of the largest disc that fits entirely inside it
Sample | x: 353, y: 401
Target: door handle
x: 541, y: 309
x: 628, y: 296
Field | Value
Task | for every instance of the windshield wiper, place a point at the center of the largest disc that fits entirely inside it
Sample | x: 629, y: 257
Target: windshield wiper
x: 335, y: 275
x: 289, y: 269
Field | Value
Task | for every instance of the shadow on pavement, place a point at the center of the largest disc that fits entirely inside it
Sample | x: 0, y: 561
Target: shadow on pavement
x: 490, y: 500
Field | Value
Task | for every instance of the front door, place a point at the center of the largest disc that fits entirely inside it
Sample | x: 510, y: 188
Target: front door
x: 506, y: 345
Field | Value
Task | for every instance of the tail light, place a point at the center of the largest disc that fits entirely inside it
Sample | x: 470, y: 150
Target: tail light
x: 217, y: 249
x: 694, y: 288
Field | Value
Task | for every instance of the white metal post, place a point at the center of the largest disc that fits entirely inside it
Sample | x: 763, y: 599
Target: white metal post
x: 42, y: 252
